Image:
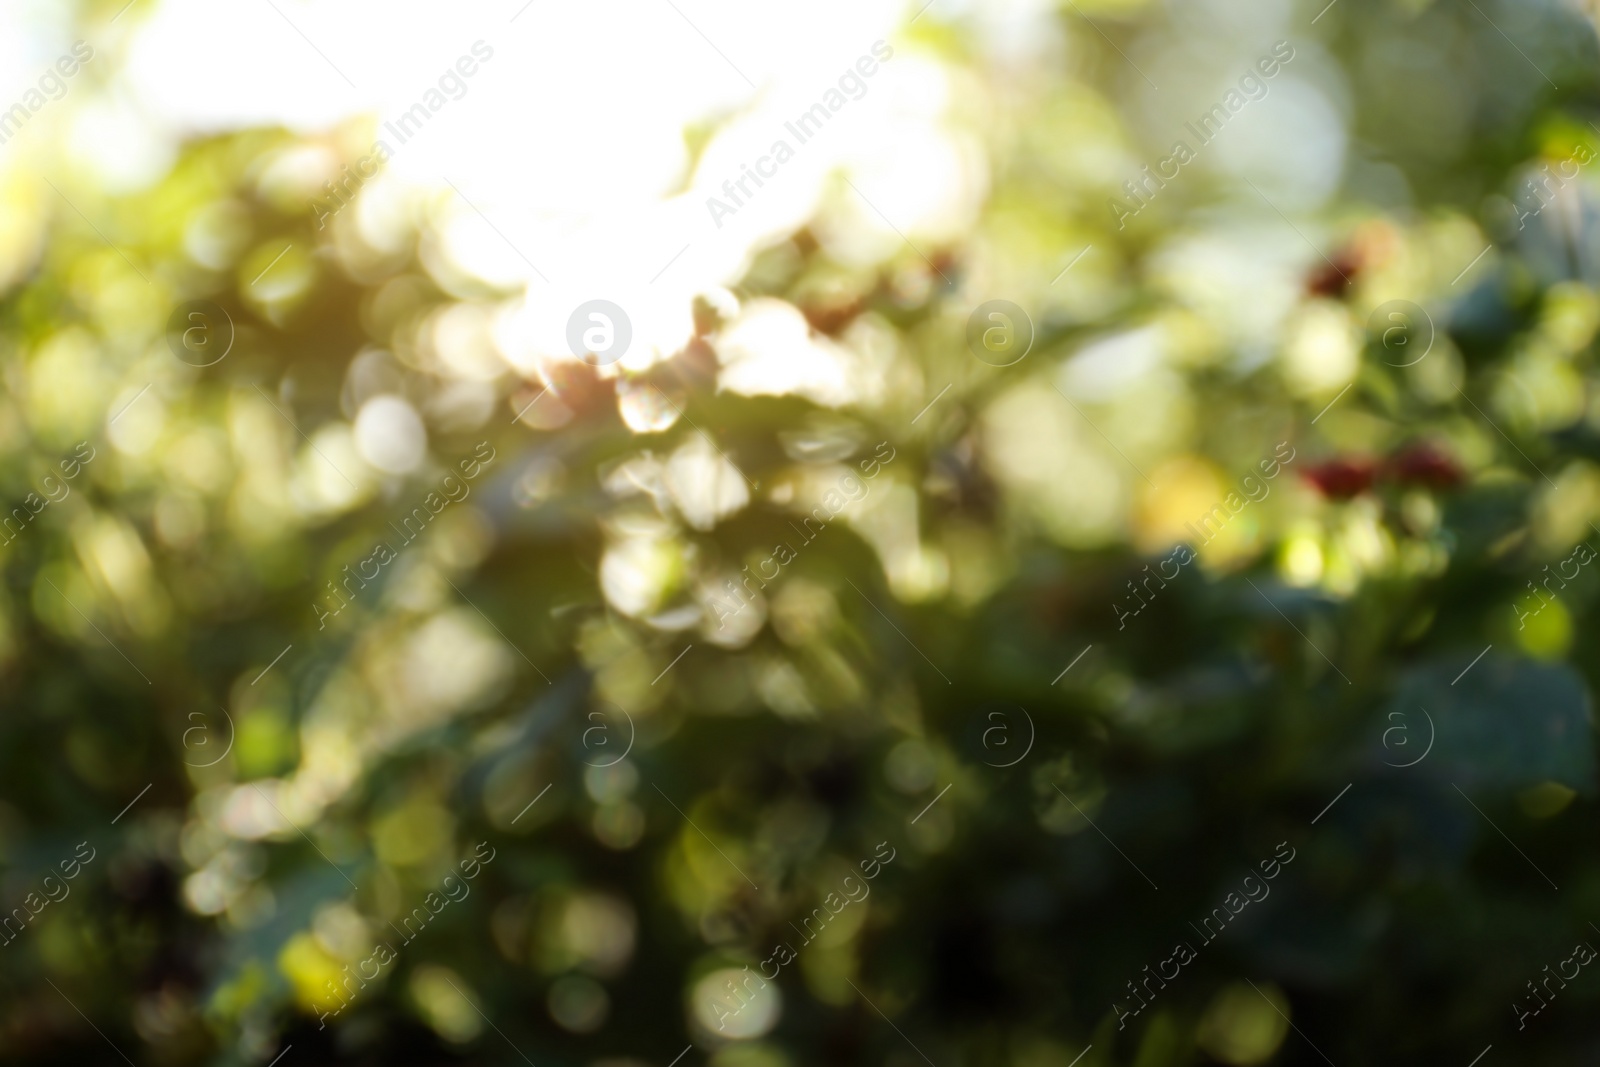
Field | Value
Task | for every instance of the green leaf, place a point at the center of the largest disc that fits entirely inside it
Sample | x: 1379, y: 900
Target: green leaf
x: 1503, y: 724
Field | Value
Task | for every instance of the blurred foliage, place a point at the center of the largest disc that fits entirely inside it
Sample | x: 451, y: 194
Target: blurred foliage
x: 573, y: 605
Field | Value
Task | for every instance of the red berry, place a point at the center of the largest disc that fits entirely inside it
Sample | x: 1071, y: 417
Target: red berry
x: 1426, y: 465
x: 1341, y: 479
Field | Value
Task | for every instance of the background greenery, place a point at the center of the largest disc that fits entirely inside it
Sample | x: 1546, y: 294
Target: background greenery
x: 778, y: 753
